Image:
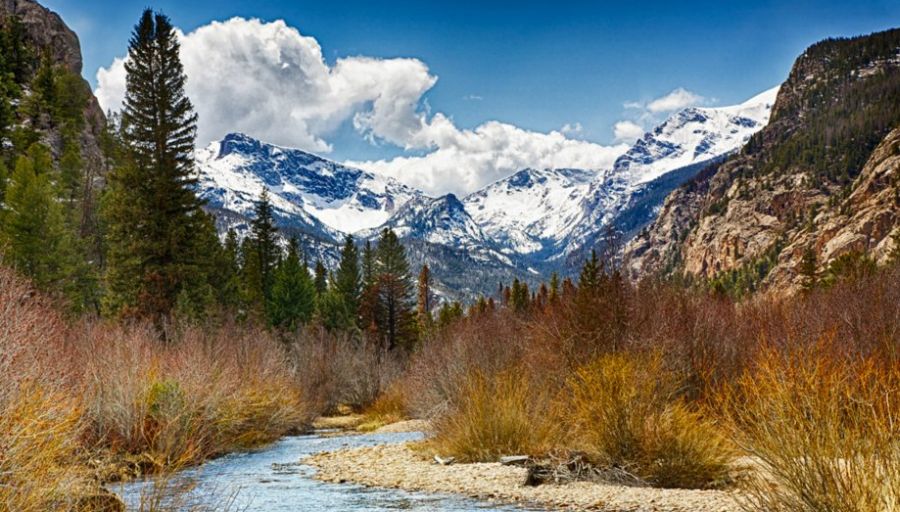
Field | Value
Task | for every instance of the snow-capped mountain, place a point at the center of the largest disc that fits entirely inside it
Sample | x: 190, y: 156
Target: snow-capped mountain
x: 527, y: 212
x: 694, y: 135
x: 306, y: 191
x: 551, y: 213
x: 524, y: 225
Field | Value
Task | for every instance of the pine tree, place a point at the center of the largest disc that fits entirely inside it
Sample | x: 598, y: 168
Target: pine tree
x: 807, y: 270
x: 519, y: 298
x: 425, y: 298
x: 369, y: 275
x: 589, y: 279
x: 554, y: 288
x: 894, y: 255
x: 152, y: 215
x: 36, y: 238
x: 321, y: 279
x: 347, y: 280
x: 334, y: 312
x: 264, y: 239
x: 368, y: 303
x: 229, y: 269
x: 395, y: 318
x: 293, y: 297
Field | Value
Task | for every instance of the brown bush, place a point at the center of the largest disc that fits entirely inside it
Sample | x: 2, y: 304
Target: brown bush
x: 822, y: 429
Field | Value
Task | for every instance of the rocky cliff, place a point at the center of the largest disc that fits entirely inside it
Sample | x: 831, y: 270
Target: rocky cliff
x: 45, y: 32
x: 822, y: 176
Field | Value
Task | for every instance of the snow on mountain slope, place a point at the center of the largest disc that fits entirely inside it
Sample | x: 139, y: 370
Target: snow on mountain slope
x: 694, y: 135
x: 547, y: 214
x: 304, y: 189
x: 529, y: 208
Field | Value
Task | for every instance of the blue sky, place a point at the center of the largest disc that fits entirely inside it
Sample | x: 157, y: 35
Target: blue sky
x: 536, y: 65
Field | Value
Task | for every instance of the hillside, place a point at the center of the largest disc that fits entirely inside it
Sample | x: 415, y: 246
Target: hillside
x: 820, y: 179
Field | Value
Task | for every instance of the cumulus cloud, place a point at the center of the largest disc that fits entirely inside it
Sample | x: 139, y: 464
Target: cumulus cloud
x: 628, y: 131
x: 270, y: 81
x: 678, y: 99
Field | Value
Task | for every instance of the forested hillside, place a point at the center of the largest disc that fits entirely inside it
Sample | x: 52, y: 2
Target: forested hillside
x: 805, y: 192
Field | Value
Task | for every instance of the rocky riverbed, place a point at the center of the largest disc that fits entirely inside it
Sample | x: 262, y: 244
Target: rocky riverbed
x: 397, y: 466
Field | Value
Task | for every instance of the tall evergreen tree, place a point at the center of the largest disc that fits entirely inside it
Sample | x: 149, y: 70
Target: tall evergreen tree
x: 348, y: 280
x: 264, y: 239
x: 369, y: 273
x: 554, y: 287
x: 395, y: 318
x: 321, y: 278
x: 589, y: 279
x: 808, y: 269
x: 37, y: 239
x: 425, y: 299
x: 152, y: 215
x: 293, y: 297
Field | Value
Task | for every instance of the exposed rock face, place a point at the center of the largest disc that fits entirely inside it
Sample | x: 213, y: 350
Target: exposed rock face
x: 46, y: 30
x: 782, y: 194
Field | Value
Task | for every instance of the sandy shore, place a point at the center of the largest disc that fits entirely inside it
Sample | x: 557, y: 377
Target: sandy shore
x: 397, y: 466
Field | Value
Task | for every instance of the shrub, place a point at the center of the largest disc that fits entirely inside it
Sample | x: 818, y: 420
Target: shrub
x: 824, y: 431
x: 175, y: 403
x: 39, y: 451
x: 625, y: 413
x: 388, y: 408
x: 492, y: 417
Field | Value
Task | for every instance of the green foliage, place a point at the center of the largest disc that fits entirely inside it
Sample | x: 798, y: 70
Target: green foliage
x: 37, y: 239
x: 151, y: 212
x: 395, y: 319
x: 748, y: 277
x: 449, y: 313
x: 264, y: 241
x: 334, y: 313
x: 347, y: 279
x: 321, y: 278
x: 852, y: 265
x: 519, y: 298
x: 293, y: 296
x: 845, y: 112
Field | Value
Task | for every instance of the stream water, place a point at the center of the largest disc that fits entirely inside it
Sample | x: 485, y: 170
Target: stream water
x: 273, y: 480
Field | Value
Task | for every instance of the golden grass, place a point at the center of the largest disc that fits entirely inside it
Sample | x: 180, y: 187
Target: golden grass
x: 824, y: 430
x: 493, y: 417
x: 40, y: 451
x: 388, y: 408
x: 624, y: 412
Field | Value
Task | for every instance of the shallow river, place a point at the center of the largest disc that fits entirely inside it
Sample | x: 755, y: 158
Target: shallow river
x: 273, y: 480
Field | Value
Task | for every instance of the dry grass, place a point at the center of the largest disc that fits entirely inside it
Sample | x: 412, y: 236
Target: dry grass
x: 495, y: 416
x: 40, y: 451
x: 179, y: 403
x: 625, y: 412
x: 825, y: 431
x: 388, y: 408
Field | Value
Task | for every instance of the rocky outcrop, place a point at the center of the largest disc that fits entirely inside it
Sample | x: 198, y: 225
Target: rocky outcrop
x: 823, y: 175
x: 47, y: 31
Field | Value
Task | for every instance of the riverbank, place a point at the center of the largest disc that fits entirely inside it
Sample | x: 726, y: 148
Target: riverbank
x: 397, y: 466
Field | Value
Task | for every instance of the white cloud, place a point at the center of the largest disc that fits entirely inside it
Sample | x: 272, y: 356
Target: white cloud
x: 466, y: 160
x: 645, y: 115
x: 678, y: 99
x: 270, y: 81
x: 628, y: 131
x: 572, y: 129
